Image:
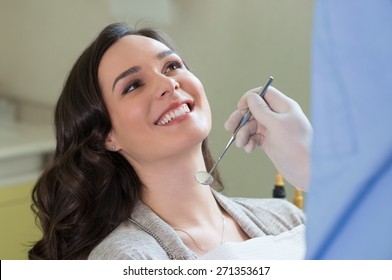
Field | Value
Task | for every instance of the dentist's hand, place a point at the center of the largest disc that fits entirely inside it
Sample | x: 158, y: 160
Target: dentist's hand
x: 280, y: 128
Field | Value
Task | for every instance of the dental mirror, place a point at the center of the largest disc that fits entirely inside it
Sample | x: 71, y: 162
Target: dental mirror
x: 206, y: 178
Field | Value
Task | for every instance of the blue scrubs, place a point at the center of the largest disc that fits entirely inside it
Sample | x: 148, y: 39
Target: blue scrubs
x: 349, y: 205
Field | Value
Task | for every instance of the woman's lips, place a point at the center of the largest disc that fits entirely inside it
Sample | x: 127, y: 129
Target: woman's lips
x: 172, y: 114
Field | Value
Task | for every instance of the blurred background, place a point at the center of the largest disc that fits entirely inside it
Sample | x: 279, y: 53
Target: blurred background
x: 230, y: 45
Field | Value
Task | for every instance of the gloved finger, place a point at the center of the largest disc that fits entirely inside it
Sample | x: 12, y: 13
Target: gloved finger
x: 243, y: 102
x: 233, y: 121
x: 258, y: 107
x: 249, y: 148
x: 252, y: 130
x: 260, y: 110
x: 235, y: 118
x: 274, y: 100
x: 254, y: 141
x: 279, y: 102
x: 245, y: 132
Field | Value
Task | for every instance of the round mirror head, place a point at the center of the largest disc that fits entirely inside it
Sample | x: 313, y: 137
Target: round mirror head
x: 204, y: 178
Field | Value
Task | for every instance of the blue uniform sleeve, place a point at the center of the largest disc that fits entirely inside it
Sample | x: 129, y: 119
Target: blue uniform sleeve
x: 349, y: 207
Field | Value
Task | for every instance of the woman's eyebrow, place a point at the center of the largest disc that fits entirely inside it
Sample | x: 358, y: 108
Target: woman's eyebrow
x: 126, y: 73
x: 136, y: 69
x: 163, y: 54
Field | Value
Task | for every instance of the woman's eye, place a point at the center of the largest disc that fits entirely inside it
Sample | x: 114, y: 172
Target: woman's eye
x: 133, y: 86
x: 174, y: 65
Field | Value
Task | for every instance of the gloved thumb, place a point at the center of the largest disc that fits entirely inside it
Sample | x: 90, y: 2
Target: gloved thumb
x: 259, y: 109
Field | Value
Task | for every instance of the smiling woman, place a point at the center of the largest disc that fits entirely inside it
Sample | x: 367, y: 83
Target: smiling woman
x: 131, y: 126
x: 158, y: 88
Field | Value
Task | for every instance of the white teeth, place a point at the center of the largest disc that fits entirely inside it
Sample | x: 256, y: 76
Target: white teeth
x: 168, y: 117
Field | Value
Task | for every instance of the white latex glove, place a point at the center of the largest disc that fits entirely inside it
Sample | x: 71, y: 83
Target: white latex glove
x: 280, y: 128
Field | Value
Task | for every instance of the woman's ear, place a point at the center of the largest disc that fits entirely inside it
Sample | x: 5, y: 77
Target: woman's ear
x: 110, y: 143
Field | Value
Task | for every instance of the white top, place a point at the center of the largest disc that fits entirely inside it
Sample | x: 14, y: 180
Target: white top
x: 289, y: 245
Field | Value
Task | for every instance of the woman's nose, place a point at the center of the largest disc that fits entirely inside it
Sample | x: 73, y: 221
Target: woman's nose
x: 167, y: 85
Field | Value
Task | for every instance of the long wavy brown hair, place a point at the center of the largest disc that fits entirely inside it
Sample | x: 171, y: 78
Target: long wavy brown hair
x: 86, y: 191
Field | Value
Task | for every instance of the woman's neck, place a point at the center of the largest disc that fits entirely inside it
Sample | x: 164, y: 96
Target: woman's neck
x: 172, y: 192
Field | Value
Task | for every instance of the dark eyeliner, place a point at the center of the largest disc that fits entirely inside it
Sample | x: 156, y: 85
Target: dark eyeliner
x: 135, y: 83
x: 177, y: 64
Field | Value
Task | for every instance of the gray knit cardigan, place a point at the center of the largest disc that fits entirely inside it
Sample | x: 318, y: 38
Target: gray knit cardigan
x: 146, y: 236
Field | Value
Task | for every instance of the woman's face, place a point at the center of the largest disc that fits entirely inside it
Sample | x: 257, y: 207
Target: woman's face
x: 157, y: 107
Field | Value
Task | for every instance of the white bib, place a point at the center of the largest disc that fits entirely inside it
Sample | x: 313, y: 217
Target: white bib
x: 289, y: 245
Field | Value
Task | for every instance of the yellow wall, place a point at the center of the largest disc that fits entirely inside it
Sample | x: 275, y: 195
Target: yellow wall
x: 18, y: 229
